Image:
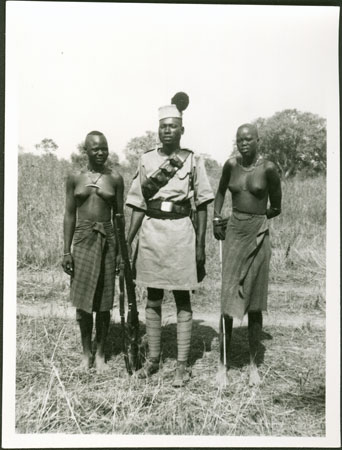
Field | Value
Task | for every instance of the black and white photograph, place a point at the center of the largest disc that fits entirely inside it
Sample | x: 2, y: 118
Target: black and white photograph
x: 171, y: 227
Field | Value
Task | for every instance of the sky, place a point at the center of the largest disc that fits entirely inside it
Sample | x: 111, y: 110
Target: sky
x: 77, y: 67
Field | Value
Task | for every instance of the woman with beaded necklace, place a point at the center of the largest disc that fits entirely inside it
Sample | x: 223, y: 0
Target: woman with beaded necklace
x: 253, y: 182
x: 93, y: 196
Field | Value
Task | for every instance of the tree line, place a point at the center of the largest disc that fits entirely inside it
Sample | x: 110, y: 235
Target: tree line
x: 295, y: 141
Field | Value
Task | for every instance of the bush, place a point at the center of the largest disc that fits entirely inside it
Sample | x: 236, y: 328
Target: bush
x: 41, y: 197
x: 297, y: 235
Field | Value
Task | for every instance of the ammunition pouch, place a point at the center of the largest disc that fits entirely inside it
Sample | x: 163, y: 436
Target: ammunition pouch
x: 163, y: 174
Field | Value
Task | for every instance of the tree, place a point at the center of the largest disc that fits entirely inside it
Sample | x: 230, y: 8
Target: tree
x: 47, y: 145
x: 294, y: 141
x: 139, y: 145
x: 79, y: 159
x: 211, y: 164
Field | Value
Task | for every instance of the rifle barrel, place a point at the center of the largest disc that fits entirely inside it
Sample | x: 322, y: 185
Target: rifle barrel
x: 132, y: 312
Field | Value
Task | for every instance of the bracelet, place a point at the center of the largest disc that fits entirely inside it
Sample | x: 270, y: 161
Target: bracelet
x: 66, y: 254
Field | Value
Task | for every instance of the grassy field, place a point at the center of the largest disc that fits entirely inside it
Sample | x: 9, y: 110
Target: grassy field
x: 53, y: 396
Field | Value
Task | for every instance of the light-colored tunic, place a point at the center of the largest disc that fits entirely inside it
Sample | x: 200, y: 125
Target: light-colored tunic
x: 167, y: 248
x: 245, y: 268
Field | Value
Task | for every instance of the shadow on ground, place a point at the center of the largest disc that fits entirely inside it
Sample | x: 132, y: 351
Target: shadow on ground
x: 239, y: 355
x: 204, y: 339
x: 201, y: 340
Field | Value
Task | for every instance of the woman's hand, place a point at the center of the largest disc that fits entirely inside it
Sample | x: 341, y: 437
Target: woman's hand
x: 68, y: 264
x: 219, y: 228
x: 272, y: 212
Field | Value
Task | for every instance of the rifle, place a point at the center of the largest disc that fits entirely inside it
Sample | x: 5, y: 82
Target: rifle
x: 130, y: 333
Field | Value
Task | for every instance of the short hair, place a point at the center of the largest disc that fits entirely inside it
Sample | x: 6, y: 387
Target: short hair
x: 250, y: 126
x: 93, y: 133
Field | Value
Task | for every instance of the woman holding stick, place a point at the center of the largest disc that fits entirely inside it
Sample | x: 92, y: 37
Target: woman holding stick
x: 253, y: 182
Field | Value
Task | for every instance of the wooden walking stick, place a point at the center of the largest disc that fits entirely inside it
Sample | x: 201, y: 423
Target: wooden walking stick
x: 122, y: 315
x: 222, y: 316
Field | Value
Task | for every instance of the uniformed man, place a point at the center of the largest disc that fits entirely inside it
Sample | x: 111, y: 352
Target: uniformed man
x: 92, y: 197
x: 170, y: 255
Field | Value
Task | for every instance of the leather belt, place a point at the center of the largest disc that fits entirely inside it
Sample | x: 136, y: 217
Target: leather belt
x: 161, y: 209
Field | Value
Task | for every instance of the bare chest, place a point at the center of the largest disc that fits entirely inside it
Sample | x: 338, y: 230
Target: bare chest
x: 251, y: 180
x: 94, y: 185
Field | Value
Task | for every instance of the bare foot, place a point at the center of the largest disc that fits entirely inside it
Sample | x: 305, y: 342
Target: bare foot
x: 100, y: 364
x: 149, y: 368
x: 254, y: 378
x: 222, y: 377
x: 85, y: 363
x: 182, y: 375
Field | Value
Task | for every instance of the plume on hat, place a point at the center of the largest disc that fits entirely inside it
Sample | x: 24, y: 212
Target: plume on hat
x: 181, y: 100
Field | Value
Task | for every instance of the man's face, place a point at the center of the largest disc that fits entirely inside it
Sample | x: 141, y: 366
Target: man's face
x: 247, y: 141
x: 170, y: 131
x: 97, y: 149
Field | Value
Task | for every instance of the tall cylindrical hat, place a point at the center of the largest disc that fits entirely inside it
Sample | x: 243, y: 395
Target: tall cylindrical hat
x: 179, y: 103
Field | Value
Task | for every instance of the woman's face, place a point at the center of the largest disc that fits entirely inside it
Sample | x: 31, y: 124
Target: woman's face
x: 97, y: 149
x: 247, y: 142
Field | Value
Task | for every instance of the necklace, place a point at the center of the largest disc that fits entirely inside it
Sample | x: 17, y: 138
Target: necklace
x: 252, y: 166
x: 97, y: 179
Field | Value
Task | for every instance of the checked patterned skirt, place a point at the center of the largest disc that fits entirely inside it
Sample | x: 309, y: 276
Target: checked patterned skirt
x: 92, y: 285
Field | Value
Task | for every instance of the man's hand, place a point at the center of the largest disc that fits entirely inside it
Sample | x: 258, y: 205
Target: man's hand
x: 200, y: 255
x: 219, y: 228
x: 68, y: 264
x: 200, y: 262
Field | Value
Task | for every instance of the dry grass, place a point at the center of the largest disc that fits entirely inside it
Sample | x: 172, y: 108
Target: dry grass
x: 297, y: 235
x: 298, y: 247
x: 41, y: 199
x: 53, y: 396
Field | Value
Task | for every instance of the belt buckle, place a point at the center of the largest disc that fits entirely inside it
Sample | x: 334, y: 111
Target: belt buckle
x: 166, y: 206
